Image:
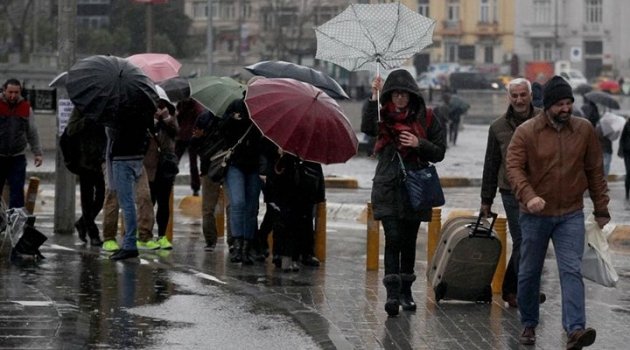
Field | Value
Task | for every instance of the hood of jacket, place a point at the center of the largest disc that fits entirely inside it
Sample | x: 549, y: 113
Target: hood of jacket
x: 401, y: 79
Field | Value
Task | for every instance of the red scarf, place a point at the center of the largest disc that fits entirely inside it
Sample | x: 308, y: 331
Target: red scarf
x: 393, y: 123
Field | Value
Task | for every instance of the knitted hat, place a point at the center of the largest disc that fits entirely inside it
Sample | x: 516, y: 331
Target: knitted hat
x: 555, y: 90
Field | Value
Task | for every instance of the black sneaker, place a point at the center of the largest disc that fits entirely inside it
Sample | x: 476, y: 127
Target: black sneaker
x: 528, y: 337
x: 581, y: 338
x: 209, y: 247
x: 310, y: 260
x: 124, y: 254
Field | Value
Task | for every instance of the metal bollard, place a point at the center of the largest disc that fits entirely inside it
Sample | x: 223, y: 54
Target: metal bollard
x: 500, y: 227
x: 373, y: 235
x: 171, y: 217
x: 219, y: 213
x: 320, y: 231
x: 31, y: 194
x: 433, y: 234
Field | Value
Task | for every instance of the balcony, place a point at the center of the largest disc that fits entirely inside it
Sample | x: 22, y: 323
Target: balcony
x: 451, y: 28
x: 487, y: 28
x: 593, y: 28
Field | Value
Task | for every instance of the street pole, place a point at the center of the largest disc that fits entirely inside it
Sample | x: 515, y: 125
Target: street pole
x: 210, y: 39
x: 149, y: 29
x: 65, y: 185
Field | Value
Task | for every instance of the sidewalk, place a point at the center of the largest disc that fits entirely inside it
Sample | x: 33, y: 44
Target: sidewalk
x: 338, y: 306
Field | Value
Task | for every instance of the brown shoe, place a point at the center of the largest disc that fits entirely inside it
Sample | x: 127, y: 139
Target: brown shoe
x: 581, y: 338
x: 528, y: 337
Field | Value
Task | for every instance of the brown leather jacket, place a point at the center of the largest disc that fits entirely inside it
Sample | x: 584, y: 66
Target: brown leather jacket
x: 558, y: 166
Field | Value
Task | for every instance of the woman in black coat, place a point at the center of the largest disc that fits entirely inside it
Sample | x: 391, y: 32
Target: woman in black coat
x: 406, y: 127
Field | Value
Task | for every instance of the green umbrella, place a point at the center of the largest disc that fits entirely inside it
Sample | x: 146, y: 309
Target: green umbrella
x: 215, y: 93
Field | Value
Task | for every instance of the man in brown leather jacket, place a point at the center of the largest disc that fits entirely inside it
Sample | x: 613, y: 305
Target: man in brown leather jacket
x: 552, y: 160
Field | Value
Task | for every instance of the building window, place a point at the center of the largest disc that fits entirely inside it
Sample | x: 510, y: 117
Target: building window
x: 450, y: 52
x: 593, y: 47
x: 543, y: 51
x: 488, y: 54
x: 467, y: 52
x: 542, y: 11
x: 594, y: 11
x: 452, y: 10
x: 484, y: 11
x: 423, y: 7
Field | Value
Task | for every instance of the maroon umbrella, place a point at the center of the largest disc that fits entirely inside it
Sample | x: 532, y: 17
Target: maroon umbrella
x: 301, y: 119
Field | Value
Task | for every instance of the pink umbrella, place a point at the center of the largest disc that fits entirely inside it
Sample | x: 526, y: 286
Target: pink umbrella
x: 157, y: 66
x: 301, y: 119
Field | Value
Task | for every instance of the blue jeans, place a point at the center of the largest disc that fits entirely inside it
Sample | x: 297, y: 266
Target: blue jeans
x: 510, y: 280
x: 567, y: 234
x: 243, y: 190
x: 607, y: 159
x: 126, y: 174
x: 13, y: 171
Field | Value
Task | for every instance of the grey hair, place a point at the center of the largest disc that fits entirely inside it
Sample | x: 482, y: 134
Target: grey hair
x: 519, y: 81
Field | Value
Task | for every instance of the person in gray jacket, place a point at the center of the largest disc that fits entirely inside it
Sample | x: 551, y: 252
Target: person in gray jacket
x: 521, y: 108
x: 408, y: 128
x: 17, y: 130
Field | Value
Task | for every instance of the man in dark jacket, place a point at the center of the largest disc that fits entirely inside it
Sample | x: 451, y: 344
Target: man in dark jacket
x: 494, y: 174
x: 551, y: 161
x: 17, y: 129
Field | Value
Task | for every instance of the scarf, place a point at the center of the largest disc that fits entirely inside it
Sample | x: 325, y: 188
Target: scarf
x: 395, y: 122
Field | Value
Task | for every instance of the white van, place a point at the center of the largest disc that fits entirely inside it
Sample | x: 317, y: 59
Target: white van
x: 574, y: 77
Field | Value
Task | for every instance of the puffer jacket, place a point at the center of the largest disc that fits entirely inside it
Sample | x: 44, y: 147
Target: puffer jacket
x: 389, y: 196
x: 17, y: 128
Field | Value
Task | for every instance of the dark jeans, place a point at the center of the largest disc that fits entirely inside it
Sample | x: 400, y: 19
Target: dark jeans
x: 510, y: 279
x: 13, y: 171
x: 180, y: 148
x: 161, y: 193
x: 92, y: 186
x: 400, y: 244
x: 626, y: 162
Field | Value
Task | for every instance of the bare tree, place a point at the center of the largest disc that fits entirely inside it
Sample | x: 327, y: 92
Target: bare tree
x: 16, y: 14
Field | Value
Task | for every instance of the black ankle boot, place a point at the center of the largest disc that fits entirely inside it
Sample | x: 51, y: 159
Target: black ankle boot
x: 406, y: 299
x: 247, y: 258
x: 392, y: 286
x: 93, y: 233
x: 237, y: 253
x: 81, y: 229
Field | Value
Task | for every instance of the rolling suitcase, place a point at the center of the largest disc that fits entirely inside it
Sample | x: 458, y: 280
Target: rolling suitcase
x: 465, y: 260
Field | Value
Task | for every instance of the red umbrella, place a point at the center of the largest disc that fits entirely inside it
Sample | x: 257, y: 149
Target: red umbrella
x: 157, y: 66
x: 301, y: 119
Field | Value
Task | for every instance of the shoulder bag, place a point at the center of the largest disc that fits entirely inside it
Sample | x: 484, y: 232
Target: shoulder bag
x: 423, y: 186
x: 218, y: 161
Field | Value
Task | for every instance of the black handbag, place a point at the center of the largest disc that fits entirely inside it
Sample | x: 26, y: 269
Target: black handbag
x: 167, y: 167
x: 423, y: 187
x: 219, y: 161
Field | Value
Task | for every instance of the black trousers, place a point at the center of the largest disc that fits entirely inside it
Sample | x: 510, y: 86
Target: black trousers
x: 400, y: 244
x: 161, y: 194
x: 92, y: 187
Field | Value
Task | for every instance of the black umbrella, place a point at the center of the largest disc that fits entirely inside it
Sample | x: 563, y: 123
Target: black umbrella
x: 582, y: 89
x: 282, y: 69
x: 100, y: 86
x: 602, y: 98
x: 177, y: 89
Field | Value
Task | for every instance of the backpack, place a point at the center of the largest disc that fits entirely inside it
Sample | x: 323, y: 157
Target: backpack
x: 71, y: 150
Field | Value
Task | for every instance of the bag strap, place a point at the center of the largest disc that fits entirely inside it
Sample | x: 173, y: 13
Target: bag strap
x: 240, y: 140
x: 402, y: 166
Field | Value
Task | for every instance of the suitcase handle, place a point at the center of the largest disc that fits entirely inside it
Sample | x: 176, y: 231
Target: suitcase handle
x: 475, y: 231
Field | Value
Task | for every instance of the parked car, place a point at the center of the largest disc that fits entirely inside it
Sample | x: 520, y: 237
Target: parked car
x: 471, y: 81
x: 574, y: 77
x: 428, y: 81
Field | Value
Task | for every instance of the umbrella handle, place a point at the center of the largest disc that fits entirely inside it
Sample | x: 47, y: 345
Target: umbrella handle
x: 378, y: 93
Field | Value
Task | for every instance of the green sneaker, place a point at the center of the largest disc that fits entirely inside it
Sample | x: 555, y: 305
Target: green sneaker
x: 164, y: 243
x: 148, y: 245
x: 111, y: 245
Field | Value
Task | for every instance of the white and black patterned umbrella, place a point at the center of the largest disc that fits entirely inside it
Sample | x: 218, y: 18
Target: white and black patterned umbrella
x: 367, y: 37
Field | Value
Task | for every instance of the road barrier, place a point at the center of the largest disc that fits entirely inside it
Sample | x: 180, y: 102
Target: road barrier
x: 31, y: 194
x: 320, y: 231
x: 373, y: 235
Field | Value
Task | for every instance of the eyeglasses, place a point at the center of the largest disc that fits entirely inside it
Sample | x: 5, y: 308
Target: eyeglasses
x: 400, y: 94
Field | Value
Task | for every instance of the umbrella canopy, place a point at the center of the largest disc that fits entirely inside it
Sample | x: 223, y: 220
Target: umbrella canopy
x: 215, y: 93
x: 366, y: 36
x: 100, y: 86
x: 282, y: 69
x: 59, y: 81
x: 602, y: 98
x: 582, y: 89
x: 301, y: 119
x: 176, y: 88
x: 158, y: 66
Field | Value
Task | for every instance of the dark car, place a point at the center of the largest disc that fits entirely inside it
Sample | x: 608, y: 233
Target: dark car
x: 470, y: 81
